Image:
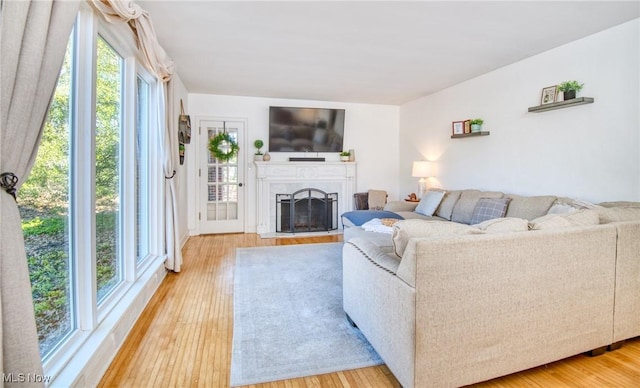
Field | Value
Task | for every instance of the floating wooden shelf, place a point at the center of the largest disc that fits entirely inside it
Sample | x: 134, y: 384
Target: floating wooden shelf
x: 472, y: 134
x: 561, y: 104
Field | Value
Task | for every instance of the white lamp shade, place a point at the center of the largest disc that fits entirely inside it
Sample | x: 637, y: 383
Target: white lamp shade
x: 422, y: 169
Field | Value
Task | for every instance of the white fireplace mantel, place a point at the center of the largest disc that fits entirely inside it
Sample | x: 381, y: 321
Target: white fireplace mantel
x: 286, y: 177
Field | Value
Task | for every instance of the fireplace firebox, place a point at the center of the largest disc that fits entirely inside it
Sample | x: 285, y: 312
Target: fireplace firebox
x: 306, y: 210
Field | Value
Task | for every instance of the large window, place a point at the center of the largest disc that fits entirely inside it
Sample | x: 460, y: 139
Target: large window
x: 107, y: 139
x: 86, y: 206
x: 44, y: 207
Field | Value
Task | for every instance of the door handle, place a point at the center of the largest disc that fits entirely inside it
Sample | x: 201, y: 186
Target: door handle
x: 240, y: 184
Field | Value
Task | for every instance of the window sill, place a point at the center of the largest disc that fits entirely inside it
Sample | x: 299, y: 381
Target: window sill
x: 84, y: 364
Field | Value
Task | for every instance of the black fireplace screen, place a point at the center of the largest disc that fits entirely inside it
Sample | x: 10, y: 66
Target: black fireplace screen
x: 306, y: 210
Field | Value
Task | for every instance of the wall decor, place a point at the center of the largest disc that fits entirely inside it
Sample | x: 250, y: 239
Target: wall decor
x: 549, y: 95
x: 458, y: 127
x: 223, y: 146
x: 184, y: 126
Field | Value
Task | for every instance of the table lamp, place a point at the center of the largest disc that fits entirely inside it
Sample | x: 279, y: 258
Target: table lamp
x: 422, y: 169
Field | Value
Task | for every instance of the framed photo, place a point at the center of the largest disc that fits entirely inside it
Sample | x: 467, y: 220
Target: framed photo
x: 458, y: 127
x: 549, y: 95
x: 467, y: 126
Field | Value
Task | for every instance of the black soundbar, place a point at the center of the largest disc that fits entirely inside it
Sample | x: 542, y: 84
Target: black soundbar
x: 293, y: 159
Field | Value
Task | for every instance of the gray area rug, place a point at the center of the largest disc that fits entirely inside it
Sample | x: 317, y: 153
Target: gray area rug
x: 288, y: 319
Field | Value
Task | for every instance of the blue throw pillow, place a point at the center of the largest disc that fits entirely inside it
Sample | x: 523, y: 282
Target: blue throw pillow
x: 429, y: 203
x: 359, y: 217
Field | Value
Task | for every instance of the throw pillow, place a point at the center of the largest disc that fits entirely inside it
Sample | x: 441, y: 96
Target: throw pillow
x: 560, y: 221
x: 564, y: 205
x: 529, y: 207
x: 463, y: 211
x: 448, y: 202
x: 489, y: 208
x: 429, y: 203
x: 503, y: 225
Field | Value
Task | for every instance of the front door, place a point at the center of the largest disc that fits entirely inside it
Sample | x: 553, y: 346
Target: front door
x: 221, y: 187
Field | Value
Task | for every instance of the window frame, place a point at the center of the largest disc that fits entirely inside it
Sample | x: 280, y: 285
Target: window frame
x: 88, y: 317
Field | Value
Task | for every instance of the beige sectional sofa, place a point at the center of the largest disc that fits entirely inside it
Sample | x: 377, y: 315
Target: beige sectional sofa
x: 448, y: 304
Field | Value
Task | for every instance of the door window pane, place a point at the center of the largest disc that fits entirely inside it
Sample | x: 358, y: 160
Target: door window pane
x: 44, y: 208
x: 108, y: 130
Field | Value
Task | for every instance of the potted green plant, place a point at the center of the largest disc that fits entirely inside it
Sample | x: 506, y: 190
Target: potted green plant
x: 476, y: 125
x: 569, y: 89
x: 181, y: 152
x: 258, y: 144
x: 344, y: 156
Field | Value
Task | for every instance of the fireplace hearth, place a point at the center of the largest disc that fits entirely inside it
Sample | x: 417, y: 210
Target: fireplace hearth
x: 306, y: 210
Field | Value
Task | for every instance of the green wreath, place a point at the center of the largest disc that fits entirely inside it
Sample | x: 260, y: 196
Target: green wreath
x: 225, y: 140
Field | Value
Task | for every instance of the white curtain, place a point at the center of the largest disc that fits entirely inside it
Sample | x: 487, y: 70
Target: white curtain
x: 163, y: 67
x: 172, y: 237
x: 34, y: 36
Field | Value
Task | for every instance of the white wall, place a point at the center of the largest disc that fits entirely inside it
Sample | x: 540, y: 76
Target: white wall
x: 591, y: 152
x: 371, y: 130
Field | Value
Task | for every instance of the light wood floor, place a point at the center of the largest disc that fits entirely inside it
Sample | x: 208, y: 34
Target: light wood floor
x: 183, y: 338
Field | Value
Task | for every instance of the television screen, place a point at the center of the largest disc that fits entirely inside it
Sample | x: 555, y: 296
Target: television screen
x: 305, y: 129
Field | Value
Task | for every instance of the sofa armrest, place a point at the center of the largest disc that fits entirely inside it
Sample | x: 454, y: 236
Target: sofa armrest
x: 400, y: 206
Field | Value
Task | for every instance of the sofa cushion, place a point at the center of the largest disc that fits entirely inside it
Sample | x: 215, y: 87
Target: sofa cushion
x: 560, y: 221
x: 504, y: 225
x: 489, y: 208
x: 529, y: 207
x: 417, y: 216
x: 617, y: 214
x: 359, y: 217
x: 430, y: 202
x: 463, y: 210
x: 447, y: 204
x: 404, y: 230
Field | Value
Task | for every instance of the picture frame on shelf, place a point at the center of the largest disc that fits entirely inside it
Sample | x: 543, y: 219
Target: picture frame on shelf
x: 467, y: 126
x: 457, y: 127
x: 549, y: 95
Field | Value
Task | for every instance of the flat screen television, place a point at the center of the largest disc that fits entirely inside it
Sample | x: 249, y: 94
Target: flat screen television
x: 305, y: 129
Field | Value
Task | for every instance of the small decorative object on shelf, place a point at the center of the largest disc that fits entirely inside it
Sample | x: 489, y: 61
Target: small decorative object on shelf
x: 457, y: 127
x: 258, y: 144
x: 223, y: 147
x: 569, y: 89
x: 266, y: 157
x: 549, y: 95
x: 344, y: 156
x: 476, y: 125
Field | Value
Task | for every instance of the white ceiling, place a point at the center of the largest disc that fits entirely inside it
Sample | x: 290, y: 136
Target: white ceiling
x: 384, y: 52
